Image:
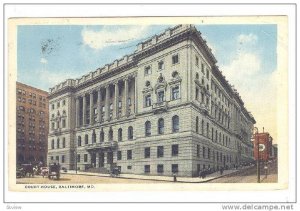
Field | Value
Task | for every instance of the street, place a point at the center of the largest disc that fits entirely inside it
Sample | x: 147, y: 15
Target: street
x: 250, y: 175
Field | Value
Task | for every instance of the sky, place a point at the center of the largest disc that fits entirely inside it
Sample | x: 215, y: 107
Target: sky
x: 246, y: 55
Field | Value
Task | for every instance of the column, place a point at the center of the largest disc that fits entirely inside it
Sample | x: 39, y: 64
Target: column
x: 77, y: 112
x: 97, y: 159
x: 91, y: 108
x: 116, y: 103
x: 135, y: 95
x: 99, y: 105
x: 107, y: 103
x: 126, y: 96
x: 83, y: 110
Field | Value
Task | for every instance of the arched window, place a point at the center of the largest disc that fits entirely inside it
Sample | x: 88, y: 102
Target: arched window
x: 86, y: 139
x: 79, y: 141
x: 197, y: 124
x: 148, y: 128
x: 110, y: 134
x: 161, y: 126
x: 130, y: 133
x: 57, y: 143
x: 101, y: 136
x: 120, y: 134
x: 175, y: 124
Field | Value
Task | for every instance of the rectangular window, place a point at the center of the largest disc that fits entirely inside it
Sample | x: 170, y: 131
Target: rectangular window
x: 160, y: 151
x: 198, y: 150
x: 57, y: 158
x: 148, y: 70
x: 129, y: 154
x: 62, y: 158
x: 161, y: 65
x: 202, y: 68
x: 78, y: 158
x: 85, y: 158
x: 197, y: 94
x: 147, y: 152
x: 203, y: 152
x: 147, y: 169
x: 160, y: 168
x: 208, y: 153
x: 175, y: 59
x: 207, y: 73
x: 175, y: 150
x: 63, y: 123
x: 197, y: 60
x: 64, y: 143
x: 148, y: 100
x: 51, y: 158
x: 175, y: 93
x: 161, y: 96
x: 119, y: 155
x: 174, y: 168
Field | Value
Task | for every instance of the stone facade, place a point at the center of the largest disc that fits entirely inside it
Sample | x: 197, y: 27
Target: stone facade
x: 165, y: 108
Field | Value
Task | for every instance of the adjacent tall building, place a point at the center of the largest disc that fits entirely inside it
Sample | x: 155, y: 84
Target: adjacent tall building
x: 31, y: 124
x: 166, y: 108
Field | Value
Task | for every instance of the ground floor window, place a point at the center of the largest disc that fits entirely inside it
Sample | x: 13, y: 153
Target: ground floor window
x: 147, y: 168
x: 174, y: 168
x: 160, y: 168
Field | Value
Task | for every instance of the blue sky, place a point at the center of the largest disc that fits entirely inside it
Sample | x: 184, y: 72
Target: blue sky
x: 246, y: 54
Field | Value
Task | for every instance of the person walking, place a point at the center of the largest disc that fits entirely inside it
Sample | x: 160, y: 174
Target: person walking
x: 266, y: 171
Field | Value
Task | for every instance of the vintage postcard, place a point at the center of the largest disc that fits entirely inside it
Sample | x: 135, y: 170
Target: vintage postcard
x: 148, y: 104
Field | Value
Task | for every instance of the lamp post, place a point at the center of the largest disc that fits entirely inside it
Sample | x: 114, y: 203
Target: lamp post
x: 256, y: 140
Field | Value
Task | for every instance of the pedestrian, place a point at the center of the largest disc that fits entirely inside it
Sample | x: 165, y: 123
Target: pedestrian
x: 266, y: 171
x: 174, y: 177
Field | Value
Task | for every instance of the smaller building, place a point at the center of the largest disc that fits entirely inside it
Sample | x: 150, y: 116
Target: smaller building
x: 31, y: 124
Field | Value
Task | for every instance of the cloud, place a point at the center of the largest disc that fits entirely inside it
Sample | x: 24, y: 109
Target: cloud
x: 247, y: 38
x: 110, y: 36
x: 43, y: 61
x: 256, y: 86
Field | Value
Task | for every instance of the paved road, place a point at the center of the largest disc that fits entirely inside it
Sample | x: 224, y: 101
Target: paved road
x: 249, y: 176
x: 80, y: 179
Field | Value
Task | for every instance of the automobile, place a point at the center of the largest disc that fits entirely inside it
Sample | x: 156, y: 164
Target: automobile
x: 44, y: 171
x: 54, y: 171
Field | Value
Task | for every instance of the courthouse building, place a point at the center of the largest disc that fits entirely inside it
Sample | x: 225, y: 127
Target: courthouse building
x: 164, y: 108
x: 31, y: 124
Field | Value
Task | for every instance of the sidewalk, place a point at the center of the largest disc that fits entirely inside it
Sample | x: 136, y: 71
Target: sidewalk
x: 161, y: 178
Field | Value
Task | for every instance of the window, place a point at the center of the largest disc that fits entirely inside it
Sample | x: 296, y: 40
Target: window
x: 174, y: 168
x: 147, y: 152
x: 57, y: 143
x: 79, y: 141
x: 148, y: 128
x: 198, y: 150
x: 160, y: 96
x: 52, y: 106
x: 110, y: 134
x: 86, y: 139
x: 161, y: 126
x: 197, y: 60
x: 129, y: 154
x: 85, y: 158
x: 52, y: 125
x: 62, y: 158
x: 160, y: 151
x: 160, y: 168
x: 101, y: 136
x: 202, y: 127
x: 202, y: 68
x: 175, y: 150
x: 58, y: 105
x: 207, y: 73
x: 175, y: 93
x: 148, y: 70
x: 120, y: 134
x: 94, y: 137
x: 147, y: 169
x: 197, y: 94
x: 52, y: 144
x: 175, y: 59
x: 175, y: 124
x: 78, y: 158
x: 197, y: 124
x: 119, y: 155
x: 207, y: 129
x: 208, y: 153
x: 57, y: 158
x: 203, y: 152
x: 64, y: 143
x: 148, y: 100
x: 130, y: 133
x: 64, y: 102
x: 161, y: 65
x: 63, y: 123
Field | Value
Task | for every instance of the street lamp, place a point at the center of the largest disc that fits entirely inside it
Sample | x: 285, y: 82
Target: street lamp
x: 255, y: 141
